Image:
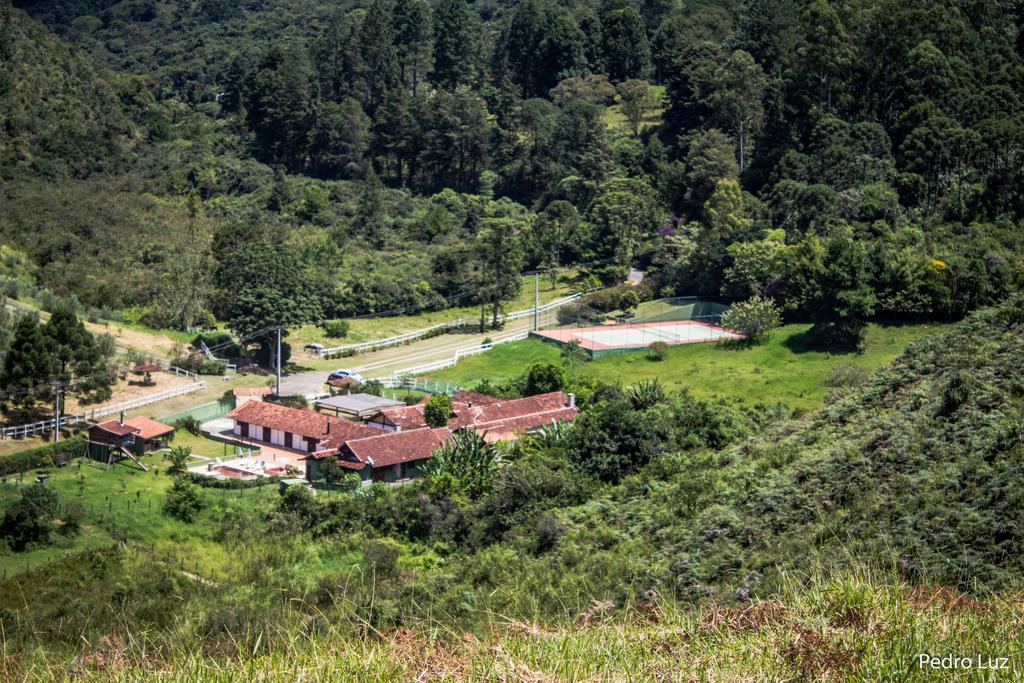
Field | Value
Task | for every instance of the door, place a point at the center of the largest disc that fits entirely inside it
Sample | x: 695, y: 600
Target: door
x: 266, y: 433
x: 287, y: 439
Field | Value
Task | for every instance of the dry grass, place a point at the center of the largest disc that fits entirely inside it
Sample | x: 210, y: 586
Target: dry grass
x: 131, y: 388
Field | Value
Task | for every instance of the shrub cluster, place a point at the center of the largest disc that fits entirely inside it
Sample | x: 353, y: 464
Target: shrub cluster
x: 42, y: 457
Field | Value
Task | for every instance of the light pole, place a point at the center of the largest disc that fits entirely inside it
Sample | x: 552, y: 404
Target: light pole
x: 278, y: 360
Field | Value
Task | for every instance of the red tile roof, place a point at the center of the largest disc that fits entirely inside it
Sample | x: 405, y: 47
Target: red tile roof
x: 395, y: 447
x: 147, y: 428
x: 405, y: 417
x: 117, y: 427
x: 252, y: 391
x: 478, y: 413
x: 147, y: 367
x: 328, y: 431
x: 474, y: 397
x: 502, y: 429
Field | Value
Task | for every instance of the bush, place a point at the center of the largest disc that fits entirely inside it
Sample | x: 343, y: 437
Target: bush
x: 542, y: 378
x: 575, y: 313
x: 200, y: 364
x: 72, y: 519
x: 611, y: 275
x: 184, y: 501
x: 189, y: 424
x: 336, y: 329
x: 956, y: 392
x: 647, y: 394
x: 573, y: 354
x: 29, y: 521
x: 590, y: 282
x: 373, y: 386
x: 232, y: 484
x: 657, y: 351
x: 383, y: 556
x: 754, y: 318
x: 438, y: 410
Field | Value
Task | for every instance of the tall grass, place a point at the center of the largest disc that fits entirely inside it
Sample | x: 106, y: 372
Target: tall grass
x: 850, y: 626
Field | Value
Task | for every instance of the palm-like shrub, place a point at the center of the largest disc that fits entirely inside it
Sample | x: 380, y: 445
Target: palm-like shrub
x: 179, y: 456
x: 548, y: 436
x: 466, y: 464
x: 646, y: 394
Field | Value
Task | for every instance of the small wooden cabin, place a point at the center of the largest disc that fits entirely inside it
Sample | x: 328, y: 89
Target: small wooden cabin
x: 127, y: 438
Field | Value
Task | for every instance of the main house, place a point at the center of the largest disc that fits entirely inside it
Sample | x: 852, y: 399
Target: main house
x: 394, y: 442
x: 298, y: 429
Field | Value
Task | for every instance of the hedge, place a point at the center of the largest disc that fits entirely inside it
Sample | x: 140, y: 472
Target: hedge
x: 41, y: 457
x: 211, y: 483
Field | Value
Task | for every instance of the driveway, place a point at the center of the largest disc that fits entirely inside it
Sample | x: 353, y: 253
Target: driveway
x: 304, y: 383
x: 384, y: 362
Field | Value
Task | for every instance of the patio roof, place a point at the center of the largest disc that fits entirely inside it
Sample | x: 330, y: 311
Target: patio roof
x: 358, y: 404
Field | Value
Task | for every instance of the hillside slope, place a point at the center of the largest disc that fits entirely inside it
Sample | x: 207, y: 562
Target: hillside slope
x: 61, y: 112
x: 919, y: 471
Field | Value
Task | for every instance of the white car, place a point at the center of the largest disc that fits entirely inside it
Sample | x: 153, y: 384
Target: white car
x: 342, y: 374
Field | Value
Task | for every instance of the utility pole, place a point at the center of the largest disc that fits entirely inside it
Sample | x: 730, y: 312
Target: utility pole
x: 536, y: 300
x: 57, y: 387
x: 278, y: 360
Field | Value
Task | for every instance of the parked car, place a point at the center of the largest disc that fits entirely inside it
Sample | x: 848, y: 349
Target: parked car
x: 314, y: 349
x: 342, y: 374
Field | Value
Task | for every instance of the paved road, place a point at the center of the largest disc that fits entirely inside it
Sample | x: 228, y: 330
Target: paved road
x: 386, y: 361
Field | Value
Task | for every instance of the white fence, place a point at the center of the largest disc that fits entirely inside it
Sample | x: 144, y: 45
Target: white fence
x: 440, y: 328
x: 417, y: 384
x: 46, y: 426
x: 400, y: 378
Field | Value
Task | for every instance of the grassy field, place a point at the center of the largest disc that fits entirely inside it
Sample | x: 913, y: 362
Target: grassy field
x: 782, y: 370
x: 123, y: 503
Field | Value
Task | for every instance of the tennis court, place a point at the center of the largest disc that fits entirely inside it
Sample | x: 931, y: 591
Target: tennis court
x: 602, y: 339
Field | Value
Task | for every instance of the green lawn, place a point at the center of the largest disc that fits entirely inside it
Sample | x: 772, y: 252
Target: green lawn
x: 200, y: 445
x: 123, y: 502
x: 780, y: 370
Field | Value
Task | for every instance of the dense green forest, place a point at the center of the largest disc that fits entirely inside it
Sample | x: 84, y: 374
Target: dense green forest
x: 410, y: 155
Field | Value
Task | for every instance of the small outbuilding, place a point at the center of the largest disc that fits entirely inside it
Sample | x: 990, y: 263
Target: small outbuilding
x: 356, y: 406
x: 131, y: 437
x: 245, y: 394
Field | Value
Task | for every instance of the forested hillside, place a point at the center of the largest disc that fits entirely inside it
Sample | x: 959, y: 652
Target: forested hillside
x: 915, y: 470
x: 790, y: 149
